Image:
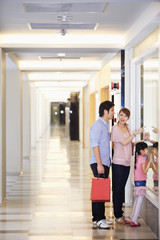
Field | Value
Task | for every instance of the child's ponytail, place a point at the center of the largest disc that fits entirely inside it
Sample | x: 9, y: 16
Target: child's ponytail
x: 139, y: 146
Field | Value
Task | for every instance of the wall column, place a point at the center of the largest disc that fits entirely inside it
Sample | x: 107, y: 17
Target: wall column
x: 26, y: 119
x: 128, y: 89
x: 33, y: 115
x: 14, y: 123
x: 86, y: 117
x: 2, y: 126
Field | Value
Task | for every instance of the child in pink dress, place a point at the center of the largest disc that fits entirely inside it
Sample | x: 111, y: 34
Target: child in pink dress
x: 141, y: 168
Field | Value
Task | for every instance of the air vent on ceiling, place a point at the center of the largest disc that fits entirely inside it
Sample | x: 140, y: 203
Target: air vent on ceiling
x: 61, y: 58
x: 64, y: 7
x: 62, y: 26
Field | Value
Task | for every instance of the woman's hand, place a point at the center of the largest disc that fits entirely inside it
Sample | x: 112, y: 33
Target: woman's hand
x: 139, y: 131
x: 155, y: 130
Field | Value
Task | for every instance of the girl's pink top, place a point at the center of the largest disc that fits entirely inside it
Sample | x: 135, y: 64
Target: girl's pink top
x: 122, y: 154
x: 155, y: 175
x: 139, y: 175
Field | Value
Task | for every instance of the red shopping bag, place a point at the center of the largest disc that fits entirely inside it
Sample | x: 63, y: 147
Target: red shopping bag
x: 100, y: 191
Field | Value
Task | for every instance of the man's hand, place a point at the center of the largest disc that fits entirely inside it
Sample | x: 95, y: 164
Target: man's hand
x: 100, y: 169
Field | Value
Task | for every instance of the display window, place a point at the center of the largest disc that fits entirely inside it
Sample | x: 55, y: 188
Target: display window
x: 149, y: 114
x: 145, y: 107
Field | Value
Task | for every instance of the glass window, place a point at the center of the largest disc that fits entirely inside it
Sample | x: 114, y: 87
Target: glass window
x: 149, y: 112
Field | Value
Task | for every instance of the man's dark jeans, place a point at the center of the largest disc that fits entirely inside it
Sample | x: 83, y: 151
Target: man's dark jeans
x: 120, y: 175
x: 98, y: 208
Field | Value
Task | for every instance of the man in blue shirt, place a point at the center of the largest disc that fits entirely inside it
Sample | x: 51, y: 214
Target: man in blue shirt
x: 100, y: 156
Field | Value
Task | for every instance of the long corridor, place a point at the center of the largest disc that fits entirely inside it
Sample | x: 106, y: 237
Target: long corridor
x: 51, y: 200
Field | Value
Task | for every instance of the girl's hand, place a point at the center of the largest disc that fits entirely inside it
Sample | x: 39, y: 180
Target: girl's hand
x: 150, y: 157
x: 146, y: 136
x: 137, y: 142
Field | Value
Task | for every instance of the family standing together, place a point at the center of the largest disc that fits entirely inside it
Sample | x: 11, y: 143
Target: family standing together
x: 100, y: 162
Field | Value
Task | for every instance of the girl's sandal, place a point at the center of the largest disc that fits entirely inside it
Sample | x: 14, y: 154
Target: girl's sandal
x: 127, y: 222
x: 135, y: 225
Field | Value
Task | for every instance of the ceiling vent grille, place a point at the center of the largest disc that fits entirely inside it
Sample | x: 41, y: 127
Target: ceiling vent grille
x: 61, y: 58
x: 64, y: 7
x: 51, y: 26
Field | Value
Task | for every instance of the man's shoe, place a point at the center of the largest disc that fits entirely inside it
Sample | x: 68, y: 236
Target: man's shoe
x: 120, y: 220
x: 135, y: 224
x: 108, y: 222
x: 103, y: 224
x: 94, y: 224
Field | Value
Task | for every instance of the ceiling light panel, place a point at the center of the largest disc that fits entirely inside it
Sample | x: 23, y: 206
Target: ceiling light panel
x: 57, y: 76
x: 63, y: 84
x: 62, y: 26
x: 64, y: 7
x: 60, y: 65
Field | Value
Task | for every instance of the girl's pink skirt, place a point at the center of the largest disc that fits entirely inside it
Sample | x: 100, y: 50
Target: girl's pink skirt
x: 140, y: 191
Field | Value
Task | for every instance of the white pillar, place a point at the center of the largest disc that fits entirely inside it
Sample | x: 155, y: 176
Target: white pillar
x: 128, y: 57
x: 14, y: 141
x: 86, y: 117
x: 37, y: 115
x: 81, y: 117
x: 44, y: 112
x: 33, y: 115
x: 26, y: 119
x: 2, y: 127
x: 48, y: 116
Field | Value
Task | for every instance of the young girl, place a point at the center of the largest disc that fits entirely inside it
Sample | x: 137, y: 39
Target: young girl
x: 140, y: 175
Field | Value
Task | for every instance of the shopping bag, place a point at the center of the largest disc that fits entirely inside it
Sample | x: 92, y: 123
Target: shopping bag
x: 100, y: 190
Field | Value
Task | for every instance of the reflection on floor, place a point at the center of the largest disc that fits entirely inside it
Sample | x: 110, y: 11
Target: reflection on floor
x: 51, y: 201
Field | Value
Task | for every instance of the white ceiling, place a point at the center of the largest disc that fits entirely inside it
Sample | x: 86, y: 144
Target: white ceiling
x: 118, y: 24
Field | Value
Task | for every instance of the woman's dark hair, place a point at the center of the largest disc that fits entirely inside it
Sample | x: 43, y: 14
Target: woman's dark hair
x: 105, y: 106
x: 155, y: 145
x: 125, y: 111
x: 139, y: 146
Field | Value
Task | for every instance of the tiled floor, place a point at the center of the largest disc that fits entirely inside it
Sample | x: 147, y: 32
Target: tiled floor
x: 51, y: 201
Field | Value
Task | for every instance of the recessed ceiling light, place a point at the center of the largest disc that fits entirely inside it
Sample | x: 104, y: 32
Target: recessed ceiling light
x: 61, y: 54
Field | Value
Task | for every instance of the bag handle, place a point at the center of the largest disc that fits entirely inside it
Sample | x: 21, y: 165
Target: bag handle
x: 103, y: 175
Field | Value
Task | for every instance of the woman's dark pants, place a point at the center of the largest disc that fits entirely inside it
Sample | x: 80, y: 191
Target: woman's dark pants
x: 120, y: 175
x: 98, y: 208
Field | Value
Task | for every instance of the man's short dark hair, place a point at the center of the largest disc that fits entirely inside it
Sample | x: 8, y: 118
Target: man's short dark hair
x: 105, y: 106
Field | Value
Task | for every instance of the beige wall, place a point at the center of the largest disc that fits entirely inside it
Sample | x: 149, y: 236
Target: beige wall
x: 146, y: 43
x: 102, y: 78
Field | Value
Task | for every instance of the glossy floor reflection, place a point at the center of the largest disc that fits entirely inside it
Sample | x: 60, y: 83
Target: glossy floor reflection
x: 51, y: 201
